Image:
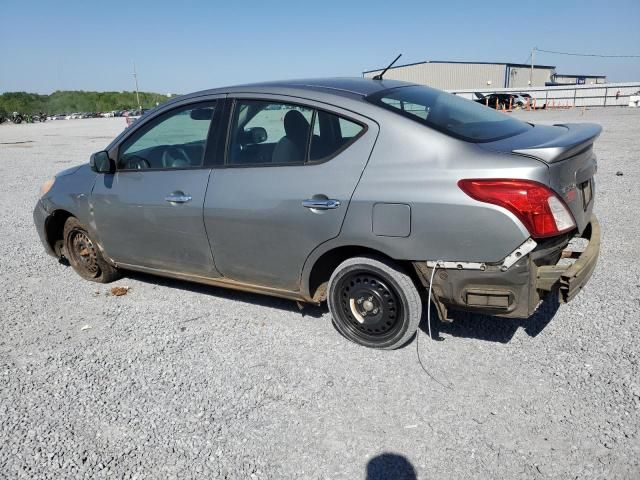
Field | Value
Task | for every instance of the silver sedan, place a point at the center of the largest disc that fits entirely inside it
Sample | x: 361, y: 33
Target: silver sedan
x: 371, y: 195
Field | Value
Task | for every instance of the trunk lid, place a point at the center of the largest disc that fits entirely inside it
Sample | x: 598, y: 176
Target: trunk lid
x: 567, y: 150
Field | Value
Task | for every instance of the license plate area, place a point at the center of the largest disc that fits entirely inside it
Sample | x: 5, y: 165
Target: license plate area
x: 587, y: 194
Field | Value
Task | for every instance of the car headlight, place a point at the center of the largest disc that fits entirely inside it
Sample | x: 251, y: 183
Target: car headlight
x: 46, y: 186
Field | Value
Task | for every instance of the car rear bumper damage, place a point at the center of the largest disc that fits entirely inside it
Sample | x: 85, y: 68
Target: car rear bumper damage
x: 571, y: 278
x: 562, y: 264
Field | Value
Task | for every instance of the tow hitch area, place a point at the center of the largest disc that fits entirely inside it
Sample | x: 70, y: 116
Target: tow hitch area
x: 575, y: 267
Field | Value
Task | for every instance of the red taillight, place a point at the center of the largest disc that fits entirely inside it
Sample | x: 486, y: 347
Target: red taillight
x: 537, y: 207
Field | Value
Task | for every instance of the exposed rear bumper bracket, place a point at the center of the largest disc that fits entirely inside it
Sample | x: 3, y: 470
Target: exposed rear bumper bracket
x: 515, y: 291
x: 526, y: 247
x: 571, y: 278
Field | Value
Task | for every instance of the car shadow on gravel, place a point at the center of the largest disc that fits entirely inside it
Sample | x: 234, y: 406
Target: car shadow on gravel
x: 492, y: 329
x: 465, y: 324
x: 229, y: 294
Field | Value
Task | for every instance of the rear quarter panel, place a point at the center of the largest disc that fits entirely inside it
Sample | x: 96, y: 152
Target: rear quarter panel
x: 414, y: 165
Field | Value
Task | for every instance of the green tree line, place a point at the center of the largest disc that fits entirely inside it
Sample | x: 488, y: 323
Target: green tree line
x: 76, y: 101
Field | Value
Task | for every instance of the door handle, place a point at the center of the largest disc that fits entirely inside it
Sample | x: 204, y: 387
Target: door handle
x: 321, y: 204
x: 178, y: 197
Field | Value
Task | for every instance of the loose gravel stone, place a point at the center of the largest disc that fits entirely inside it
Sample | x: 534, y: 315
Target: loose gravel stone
x: 175, y: 380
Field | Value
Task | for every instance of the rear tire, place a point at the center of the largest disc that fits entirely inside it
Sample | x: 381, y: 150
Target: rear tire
x: 85, y: 256
x: 374, y: 303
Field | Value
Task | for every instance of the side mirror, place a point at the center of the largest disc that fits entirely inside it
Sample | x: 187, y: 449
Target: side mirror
x: 101, y: 163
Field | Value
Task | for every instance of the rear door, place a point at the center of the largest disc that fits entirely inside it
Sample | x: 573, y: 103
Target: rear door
x: 149, y: 213
x: 289, y: 173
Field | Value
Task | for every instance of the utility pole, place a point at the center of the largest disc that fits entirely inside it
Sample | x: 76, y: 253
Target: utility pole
x: 533, y: 51
x: 135, y: 78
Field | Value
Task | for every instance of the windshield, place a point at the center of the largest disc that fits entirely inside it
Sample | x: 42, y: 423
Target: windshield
x: 452, y: 115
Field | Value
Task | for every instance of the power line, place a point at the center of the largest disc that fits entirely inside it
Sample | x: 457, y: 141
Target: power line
x: 587, y: 54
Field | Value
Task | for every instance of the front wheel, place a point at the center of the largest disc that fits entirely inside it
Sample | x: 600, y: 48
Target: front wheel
x: 374, y: 303
x: 84, y: 255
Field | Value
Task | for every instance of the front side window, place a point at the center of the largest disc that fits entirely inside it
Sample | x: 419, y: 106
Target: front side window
x: 450, y: 114
x: 175, y: 140
x: 270, y: 133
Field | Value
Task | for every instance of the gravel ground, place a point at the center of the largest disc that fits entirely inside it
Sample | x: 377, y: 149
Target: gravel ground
x: 175, y: 380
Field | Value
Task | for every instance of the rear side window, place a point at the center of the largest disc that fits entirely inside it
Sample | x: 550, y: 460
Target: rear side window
x: 452, y: 115
x: 271, y: 133
x: 349, y: 129
x: 331, y: 134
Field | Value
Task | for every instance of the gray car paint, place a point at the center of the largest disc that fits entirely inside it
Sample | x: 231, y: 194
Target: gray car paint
x: 259, y: 230
x: 422, y: 170
x: 68, y: 171
x: 568, y: 150
x: 71, y: 193
x: 256, y: 226
x: 139, y: 227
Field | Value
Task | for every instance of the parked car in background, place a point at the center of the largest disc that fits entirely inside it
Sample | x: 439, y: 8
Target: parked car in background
x: 367, y: 194
x: 38, y: 117
x: 501, y: 101
x: 504, y: 101
x: 525, y: 97
x: 134, y: 115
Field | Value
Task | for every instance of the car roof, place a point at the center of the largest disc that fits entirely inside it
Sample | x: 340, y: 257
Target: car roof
x: 345, y: 86
x: 347, y: 93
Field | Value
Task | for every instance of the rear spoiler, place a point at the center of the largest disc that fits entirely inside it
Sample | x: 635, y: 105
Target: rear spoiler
x: 578, y: 137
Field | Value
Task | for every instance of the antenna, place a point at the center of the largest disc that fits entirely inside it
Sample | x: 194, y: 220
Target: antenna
x: 135, y: 78
x: 380, y: 75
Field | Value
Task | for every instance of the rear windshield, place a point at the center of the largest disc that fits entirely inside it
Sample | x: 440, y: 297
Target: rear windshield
x: 452, y: 115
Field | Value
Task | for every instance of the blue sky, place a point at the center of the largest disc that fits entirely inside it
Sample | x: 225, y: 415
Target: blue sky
x: 184, y: 46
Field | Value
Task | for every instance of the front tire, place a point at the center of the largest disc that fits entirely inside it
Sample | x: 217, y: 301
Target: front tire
x: 374, y: 303
x: 85, y: 256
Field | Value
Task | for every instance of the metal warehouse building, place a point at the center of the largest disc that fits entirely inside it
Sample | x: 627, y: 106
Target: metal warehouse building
x: 565, y: 79
x: 464, y: 75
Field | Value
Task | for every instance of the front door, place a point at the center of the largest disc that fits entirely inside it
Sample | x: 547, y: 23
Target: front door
x: 149, y: 213
x: 289, y: 174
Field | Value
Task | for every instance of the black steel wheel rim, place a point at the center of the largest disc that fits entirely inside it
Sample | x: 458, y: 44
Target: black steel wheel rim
x: 84, y: 252
x: 369, y: 306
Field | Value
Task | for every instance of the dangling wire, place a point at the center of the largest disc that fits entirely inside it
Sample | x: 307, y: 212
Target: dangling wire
x: 433, y: 272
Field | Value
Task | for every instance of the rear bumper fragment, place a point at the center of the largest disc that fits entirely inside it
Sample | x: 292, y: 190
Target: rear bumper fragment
x: 571, y: 278
x: 518, y: 290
